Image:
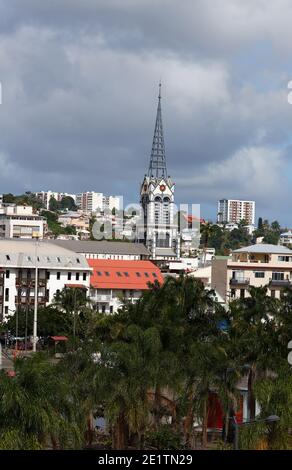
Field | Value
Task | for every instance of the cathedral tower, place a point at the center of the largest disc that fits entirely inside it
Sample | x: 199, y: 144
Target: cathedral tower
x: 157, y: 200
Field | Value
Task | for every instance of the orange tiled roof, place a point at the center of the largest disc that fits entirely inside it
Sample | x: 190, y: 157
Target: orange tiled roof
x: 122, y: 274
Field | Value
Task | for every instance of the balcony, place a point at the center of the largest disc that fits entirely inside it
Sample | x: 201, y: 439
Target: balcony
x: 280, y: 283
x: 102, y: 298
x: 240, y: 281
x: 25, y: 282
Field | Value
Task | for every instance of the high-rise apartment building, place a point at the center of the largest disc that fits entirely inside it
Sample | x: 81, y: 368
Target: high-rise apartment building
x: 45, y: 197
x: 233, y: 211
x: 89, y: 201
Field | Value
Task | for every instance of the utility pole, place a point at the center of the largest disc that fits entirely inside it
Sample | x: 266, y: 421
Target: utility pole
x: 35, y: 317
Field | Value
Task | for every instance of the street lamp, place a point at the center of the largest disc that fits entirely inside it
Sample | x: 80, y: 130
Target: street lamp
x: 35, y: 317
x: 268, y: 420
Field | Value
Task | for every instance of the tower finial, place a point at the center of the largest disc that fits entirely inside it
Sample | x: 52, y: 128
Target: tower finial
x: 157, y: 167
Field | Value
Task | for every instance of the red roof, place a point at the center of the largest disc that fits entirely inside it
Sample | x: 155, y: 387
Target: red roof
x: 59, y: 338
x: 115, y: 274
x: 193, y: 218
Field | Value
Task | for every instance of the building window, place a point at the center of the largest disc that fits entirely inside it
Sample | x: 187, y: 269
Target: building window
x: 48, y: 274
x: 58, y: 259
x: 273, y: 294
x: 233, y: 293
x: 111, y: 309
x: 84, y: 276
x: 6, y: 294
x: 154, y: 274
x: 77, y: 276
x: 58, y: 276
x: 146, y: 274
x: 259, y: 274
x: 78, y: 260
x: 278, y: 276
x: 286, y: 259
x: 242, y: 293
x: 126, y: 274
x: 7, y: 274
x: 138, y: 274
x: 69, y: 276
x: 119, y: 274
x: 8, y: 257
x: 98, y: 273
x: 103, y: 309
x: 6, y: 310
x: 107, y: 273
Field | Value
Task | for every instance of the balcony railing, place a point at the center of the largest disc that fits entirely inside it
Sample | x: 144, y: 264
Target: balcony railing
x: 30, y: 282
x: 30, y: 300
x: 280, y: 282
x: 243, y: 281
x: 102, y: 298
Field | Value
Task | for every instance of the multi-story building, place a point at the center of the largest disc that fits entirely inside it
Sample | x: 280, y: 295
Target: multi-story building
x: 111, y: 202
x: 286, y: 238
x: 114, y: 282
x: 158, y: 228
x: 45, y: 197
x: 89, y: 201
x: 20, y: 222
x: 56, y: 268
x: 75, y: 219
x: 234, y: 211
x: 255, y: 265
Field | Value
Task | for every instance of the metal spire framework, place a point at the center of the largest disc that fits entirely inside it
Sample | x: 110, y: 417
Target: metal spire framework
x: 157, y: 167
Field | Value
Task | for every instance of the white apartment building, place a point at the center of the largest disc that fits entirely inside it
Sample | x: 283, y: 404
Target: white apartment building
x: 90, y: 201
x: 45, y: 197
x: 255, y: 265
x: 56, y: 268
x: 111, y: 202
x: 286, y: 238
x: 233, y: 211
x: 20, y: 222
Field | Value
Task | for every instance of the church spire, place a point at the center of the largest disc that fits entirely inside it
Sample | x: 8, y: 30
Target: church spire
x: 157, y: 167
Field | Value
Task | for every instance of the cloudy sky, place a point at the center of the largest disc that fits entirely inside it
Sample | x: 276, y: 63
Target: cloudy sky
x: 80, y: 83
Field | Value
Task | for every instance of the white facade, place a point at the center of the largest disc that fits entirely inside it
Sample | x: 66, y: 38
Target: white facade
x: 110, y: 300
x: 111, y: 202
x: 234, y: 211
x: 20, y: 222
x: 57, y: 267
x: 259, y: 265
x: 286, y: 238
x: 89, y: 201
x: 157, y: 226
x: 45, y: 197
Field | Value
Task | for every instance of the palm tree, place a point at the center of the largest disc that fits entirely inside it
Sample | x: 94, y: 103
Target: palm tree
x: 126, y: 373
x: 36, y: 409
x: 254, y: 334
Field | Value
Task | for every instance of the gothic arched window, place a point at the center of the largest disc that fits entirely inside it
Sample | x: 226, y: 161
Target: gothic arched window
x: 166, y: 210
x: 157, y: 209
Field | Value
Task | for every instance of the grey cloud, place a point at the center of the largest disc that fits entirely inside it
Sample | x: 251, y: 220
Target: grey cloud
x: 80, y: 93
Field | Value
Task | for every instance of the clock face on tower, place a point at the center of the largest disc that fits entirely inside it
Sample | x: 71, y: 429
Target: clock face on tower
x: 162, y: 187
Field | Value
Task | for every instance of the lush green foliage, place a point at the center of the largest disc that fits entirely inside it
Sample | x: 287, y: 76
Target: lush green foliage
x: 150, y: 368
